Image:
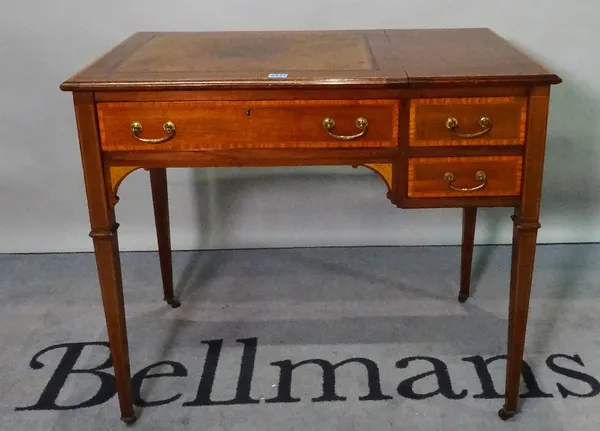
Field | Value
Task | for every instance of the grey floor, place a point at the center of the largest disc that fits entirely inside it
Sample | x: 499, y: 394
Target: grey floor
x: 395, y: 307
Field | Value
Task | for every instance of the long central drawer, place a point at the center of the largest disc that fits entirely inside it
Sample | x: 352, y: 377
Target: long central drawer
x: 197, y: 125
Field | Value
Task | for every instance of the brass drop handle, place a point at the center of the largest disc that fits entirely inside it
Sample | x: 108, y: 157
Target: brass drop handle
x: 484, y: 122
x: 136, y: 128
x: 361, y: 124
x: 480, y: 176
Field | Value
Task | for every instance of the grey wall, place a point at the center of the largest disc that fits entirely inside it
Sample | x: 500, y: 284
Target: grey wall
x: 42, y: 202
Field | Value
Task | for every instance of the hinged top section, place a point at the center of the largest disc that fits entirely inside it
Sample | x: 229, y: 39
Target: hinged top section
x: 371, y: 58
x: 469, y: 56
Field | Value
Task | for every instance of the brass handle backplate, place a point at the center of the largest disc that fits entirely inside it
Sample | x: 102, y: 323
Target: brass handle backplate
x: 136, y: 128
x: 480, y: 176
x: 484, y: 122
x: 361, y: 124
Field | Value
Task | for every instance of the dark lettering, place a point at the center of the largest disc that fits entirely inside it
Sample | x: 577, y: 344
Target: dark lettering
x: 286, y: 368
x: 577, y: 375
x: 440, y: 370
x: 487, y: 385
x: 66, y: 368
x: 137, y: 380
x: 242, y: 394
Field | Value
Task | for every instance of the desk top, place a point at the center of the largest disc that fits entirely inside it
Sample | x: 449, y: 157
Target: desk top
x: 369, y: 58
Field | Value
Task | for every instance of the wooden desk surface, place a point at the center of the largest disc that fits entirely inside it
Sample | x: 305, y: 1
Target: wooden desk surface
x: 368, y: 58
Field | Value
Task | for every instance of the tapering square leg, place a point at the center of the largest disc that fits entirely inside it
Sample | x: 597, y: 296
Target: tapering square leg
x: 106, y: 247
x: 466, y: 258
x: 523, y: 257
x: 525, y: 228
x: 160, y: 200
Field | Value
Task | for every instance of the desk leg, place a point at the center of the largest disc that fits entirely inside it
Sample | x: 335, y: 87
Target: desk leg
x: 160, y: 199
x: 523, y: 256
x: 466, y: 259
x: 106, y: 247
x: 525, y: 227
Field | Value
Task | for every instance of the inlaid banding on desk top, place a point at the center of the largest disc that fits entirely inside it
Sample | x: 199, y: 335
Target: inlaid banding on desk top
x: 265, y: 52
x: 178, y: 60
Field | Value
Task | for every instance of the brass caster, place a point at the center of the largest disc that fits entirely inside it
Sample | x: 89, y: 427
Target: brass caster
x: 129, y: 421
x: 173, y: 302
x: 506, y: 414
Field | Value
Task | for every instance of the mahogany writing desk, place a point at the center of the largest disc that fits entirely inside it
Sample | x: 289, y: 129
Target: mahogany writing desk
x: 447, y: 118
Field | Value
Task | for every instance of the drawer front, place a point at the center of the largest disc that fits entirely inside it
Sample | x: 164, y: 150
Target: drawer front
x: 259, y: 124
x: 467, y: 121
x: 437, y: 177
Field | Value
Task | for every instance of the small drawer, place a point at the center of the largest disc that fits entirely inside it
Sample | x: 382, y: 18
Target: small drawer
x: 438, y: 177
x: 467, y: 121
x: 198, y: 125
